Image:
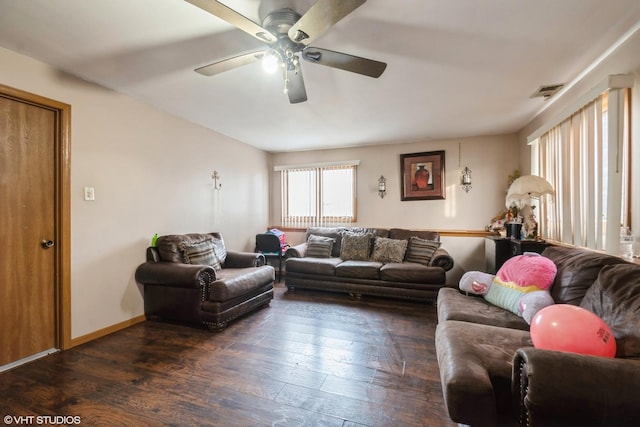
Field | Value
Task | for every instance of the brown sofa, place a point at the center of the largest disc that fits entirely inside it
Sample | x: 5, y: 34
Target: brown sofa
x: 193, y: 278
x: 493, y: 376
x: 418, y: 280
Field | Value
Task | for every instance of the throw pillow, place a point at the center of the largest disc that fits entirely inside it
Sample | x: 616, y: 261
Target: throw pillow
x: 520, y: 286
x: 319, y: 246
x: 421, y: 250
x: 220, y: 250
x: 202, y: 253
x: 389, y: 250
x: 355, y: 247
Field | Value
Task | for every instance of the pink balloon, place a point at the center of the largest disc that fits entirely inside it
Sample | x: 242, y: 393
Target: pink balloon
x: 565, y: 327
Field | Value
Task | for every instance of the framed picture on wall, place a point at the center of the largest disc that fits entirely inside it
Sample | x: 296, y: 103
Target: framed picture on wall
x: 422, y: 176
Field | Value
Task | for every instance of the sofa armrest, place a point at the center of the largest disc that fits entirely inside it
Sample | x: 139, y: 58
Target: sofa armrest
x: 236, y: 259
x: 552, y: 388
x: 175, y: 274
x: 441, y: 258
x: 297, y: 251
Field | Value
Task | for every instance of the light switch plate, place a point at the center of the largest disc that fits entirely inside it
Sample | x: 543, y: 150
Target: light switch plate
x: 89, y: 193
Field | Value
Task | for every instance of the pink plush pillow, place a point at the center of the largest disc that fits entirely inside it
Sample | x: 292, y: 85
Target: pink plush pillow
x: 517, y: 280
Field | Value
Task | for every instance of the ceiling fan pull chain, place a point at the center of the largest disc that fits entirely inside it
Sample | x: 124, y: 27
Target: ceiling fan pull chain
x: 286, y: 81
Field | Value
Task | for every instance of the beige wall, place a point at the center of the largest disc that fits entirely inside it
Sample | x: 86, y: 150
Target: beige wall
x: 492, y: 159
x: 152, y: 174
x: 487, y: 157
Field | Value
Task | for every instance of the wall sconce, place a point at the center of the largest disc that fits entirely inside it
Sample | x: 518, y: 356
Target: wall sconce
x: 216, y: 177
x: 382, y: 186
x: 465, y: 179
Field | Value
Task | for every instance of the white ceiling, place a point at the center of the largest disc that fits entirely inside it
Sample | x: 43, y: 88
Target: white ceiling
x: 456, y: 68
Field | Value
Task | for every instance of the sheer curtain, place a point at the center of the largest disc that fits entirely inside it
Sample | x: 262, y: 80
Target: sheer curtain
x: 590, y: 174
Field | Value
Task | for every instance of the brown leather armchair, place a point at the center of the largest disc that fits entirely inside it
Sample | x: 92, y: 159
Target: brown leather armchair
x: 192, y: 278
x: 553, y: 388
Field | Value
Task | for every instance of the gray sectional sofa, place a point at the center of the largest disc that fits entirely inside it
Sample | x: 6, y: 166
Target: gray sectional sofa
x: 397, y: 263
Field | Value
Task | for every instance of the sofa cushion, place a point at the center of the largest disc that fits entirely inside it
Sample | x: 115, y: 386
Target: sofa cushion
x: 170, y: 246
x: 404, y: 234
x: 410, y: 272
x: 355, y: 247
x: 454, y: 305
x: 321, y: 266
x: 319, y: 246
x: 475, y: 364
x: 376, y: 232
x: 577, y: 270
x: 421, y: 250
x: 388, y: 250
x: 234, y: 282
x: 359, y: 269
x: 202, y: 253
x: 615, y: 298
x: 332, y: 232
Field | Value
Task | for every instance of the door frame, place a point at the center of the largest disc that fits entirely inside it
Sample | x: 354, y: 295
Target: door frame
x: 62, y: 208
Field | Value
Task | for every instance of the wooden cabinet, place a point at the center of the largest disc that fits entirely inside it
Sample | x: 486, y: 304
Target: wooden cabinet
x: 499, y: 249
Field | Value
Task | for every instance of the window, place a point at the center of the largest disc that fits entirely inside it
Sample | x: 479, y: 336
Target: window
x: 588, y: 166
x: 318, y: 194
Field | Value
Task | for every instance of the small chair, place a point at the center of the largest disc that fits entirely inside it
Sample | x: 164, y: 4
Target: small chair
x: 268, y: 244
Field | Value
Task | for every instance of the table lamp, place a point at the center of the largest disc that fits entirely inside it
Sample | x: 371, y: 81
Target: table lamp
x: 520, y: 193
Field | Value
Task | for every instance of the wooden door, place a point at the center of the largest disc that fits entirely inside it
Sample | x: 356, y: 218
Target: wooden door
x: 29, y: 293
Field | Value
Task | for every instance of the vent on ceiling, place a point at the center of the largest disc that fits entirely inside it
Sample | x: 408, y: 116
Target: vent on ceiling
x: 547, y: 90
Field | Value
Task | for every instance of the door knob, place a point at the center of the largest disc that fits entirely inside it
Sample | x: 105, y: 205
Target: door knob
x: 47, y: 244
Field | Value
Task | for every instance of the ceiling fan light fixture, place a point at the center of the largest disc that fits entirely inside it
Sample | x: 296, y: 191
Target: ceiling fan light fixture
x: 288, y: 35
x: 271, y: 61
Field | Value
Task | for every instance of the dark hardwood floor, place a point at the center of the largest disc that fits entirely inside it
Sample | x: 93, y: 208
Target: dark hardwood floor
x: 310, y: 359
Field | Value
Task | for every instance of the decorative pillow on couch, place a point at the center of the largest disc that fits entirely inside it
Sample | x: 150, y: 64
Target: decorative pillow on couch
x: 355, y: 247
x: 521, y: 285
x: 319, y: 246
x: 387, y: 250
x: 421, y: 250
x: 202, y: 253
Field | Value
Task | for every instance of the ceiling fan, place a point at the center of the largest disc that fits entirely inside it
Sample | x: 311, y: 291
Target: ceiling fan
x: 288, y: 35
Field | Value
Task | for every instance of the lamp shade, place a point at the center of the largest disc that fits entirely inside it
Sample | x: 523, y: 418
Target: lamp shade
x: 526, y: 187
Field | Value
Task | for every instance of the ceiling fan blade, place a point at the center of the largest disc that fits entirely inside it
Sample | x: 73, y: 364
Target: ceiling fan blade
x: 295, y: 87
x: 343, y: 61
x: 234, y: 18
x: 230, y: 63
x: 322, y: 15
